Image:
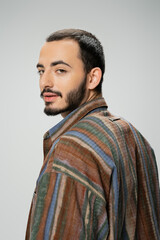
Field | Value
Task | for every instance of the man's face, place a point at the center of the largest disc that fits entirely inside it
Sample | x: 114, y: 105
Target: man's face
x: 62, y: 77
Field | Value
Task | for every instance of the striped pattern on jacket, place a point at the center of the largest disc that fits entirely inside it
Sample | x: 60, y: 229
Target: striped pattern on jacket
x: 99, y: 180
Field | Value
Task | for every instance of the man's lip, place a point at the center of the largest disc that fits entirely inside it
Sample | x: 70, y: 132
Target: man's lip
x: 49, y: 94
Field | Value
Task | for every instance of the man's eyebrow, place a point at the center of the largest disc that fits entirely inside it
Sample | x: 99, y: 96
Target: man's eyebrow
x: 53, y: 64
x: 39, y: 65
x: 59, y: 62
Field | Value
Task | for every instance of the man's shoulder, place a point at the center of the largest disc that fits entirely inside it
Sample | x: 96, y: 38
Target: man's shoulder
x: 103, y: 122
x: 96, y: 132
x: 104, y: 127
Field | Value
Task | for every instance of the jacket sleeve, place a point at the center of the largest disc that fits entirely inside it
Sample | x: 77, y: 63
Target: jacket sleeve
x: 67, y: 209
x: 68, y: 203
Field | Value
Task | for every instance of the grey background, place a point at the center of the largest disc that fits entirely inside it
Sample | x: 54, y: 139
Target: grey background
x: 130, y: 34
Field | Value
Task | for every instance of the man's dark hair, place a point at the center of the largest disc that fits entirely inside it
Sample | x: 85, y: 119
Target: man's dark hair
x: 91, y: 50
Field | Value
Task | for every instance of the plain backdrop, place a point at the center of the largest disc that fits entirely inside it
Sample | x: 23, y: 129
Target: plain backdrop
x: 130, y: 33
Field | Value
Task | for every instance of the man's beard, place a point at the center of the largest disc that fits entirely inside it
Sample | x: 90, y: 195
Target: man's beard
x: 73, y: 100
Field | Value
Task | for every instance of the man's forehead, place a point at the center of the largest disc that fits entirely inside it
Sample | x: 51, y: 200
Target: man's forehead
x: 64, y: 45
x: 65, y: 50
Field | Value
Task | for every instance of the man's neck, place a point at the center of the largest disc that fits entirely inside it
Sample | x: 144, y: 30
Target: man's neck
x: 93, y: 95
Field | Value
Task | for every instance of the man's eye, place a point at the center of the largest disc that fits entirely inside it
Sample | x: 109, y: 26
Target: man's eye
x: 61, y: 70
x: 40, y: 72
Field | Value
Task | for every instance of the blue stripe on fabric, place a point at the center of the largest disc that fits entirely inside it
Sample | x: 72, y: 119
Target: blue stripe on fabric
x: 100, y: 122
x: 52, y: 208
x: 53, y: 130
x: 59, y: 125
x: 52, y: 148
x: 118, y: 148
x: 145, y: 169
x: 63, y: 121
x: 106, y: 158
x: 124, y: 234
x: 92, y: 144
x: 103, y: 232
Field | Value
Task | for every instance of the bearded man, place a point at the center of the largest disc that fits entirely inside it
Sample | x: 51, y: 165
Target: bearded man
x: 99, y: 177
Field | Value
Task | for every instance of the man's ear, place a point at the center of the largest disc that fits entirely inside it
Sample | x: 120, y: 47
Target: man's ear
x: 94, y: 78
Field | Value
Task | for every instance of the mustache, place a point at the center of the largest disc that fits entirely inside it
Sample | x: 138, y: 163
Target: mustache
x: 51, y: 91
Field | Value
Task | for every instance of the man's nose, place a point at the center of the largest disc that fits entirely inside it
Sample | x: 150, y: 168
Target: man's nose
x: 46, y: 80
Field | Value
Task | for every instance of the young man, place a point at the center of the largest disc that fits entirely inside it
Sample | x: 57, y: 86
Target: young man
x: 99, y: 178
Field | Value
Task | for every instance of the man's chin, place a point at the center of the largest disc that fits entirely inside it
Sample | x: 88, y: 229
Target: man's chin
x: 51, y: 112
x: 54, y: 111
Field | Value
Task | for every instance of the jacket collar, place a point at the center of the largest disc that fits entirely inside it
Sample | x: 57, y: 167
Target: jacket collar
x: 94, y: 105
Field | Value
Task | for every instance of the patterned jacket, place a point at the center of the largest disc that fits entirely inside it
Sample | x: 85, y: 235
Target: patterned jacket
x: 99, y: 180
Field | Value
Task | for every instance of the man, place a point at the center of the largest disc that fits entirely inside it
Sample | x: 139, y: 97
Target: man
x: 99, y: 178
